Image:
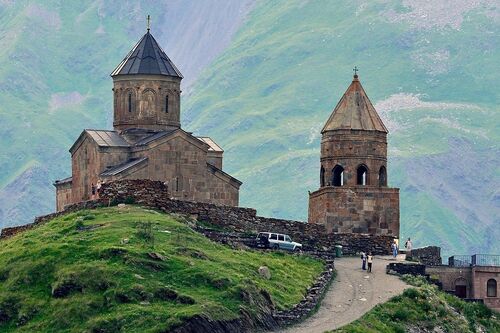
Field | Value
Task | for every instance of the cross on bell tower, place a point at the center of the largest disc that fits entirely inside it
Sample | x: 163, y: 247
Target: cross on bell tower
x: 355, y: 70
x: 149, y: 22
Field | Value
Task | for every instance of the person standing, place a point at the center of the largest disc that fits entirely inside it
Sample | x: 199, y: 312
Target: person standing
x: 394, y: 247
x: 370, y: 262
x: 363, y: 260
x: 408, y: 246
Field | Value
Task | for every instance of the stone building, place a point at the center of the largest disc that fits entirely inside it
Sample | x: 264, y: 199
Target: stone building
x: 353, y: 196
x: 471, y: 277
x: 147, y: 141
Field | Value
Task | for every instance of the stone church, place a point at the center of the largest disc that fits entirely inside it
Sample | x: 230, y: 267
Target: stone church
x: 353, y: 196
x: 147, y: 141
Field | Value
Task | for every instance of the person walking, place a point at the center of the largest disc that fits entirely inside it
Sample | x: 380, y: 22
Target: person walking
x: 408, y: 246
x: 370, y: 262
x: 363, y: 261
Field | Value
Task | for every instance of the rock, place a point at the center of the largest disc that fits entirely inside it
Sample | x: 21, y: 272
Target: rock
x: 156, y: 256
x: 138, y: 277
x: 122, y: 205
x: 265, y: 272
x: 124, y: 241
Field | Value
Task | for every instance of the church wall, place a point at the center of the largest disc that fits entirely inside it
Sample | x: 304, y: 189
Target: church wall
x: 148, y: 97
x: 357, y: 209
x: 84, y: 169
x: 112, y: 156
x: 63, y: 196
x: 183, y: 165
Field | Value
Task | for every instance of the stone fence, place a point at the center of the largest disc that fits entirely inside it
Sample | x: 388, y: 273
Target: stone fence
x: 154, y: 194
x: 430, y: 255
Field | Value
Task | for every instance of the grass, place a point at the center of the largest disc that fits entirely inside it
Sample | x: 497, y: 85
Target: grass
x: 134, y: 269
x: 424, y: 308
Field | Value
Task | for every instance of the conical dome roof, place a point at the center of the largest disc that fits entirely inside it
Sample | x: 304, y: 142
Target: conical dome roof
x: 147, y: 57
x: 355, y: 111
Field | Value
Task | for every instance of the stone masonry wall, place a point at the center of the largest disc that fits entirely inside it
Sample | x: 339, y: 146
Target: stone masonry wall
x: 356, y: 209
x: 430, y: 255
x: 152, y: 194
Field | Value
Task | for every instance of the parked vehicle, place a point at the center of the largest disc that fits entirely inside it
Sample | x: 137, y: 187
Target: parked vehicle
x: 277, y: 241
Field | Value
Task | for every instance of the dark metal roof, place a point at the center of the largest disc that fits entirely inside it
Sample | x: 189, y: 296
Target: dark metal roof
x: 147, y: 57
x: 214, y: 169
x: 63, y: 181
x: 113, y: 171
x: 153, y: 137
x: 107, y: 138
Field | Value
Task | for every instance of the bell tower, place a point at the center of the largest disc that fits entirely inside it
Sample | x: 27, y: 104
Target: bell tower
x: 146, y: 89
x: 353, y: 196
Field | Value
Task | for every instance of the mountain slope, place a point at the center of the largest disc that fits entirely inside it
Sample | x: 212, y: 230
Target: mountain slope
x: 135, y: 270
x: 430, y: 71
x: 54, y: 80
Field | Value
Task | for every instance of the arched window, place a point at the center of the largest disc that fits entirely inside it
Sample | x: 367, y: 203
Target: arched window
x: 166, y: 104
x: 338, y: 176
x: 129, y: 102
x: 491, y: 288
x: 362, y: 175
x: 322, y: 176
x: 382, y: 176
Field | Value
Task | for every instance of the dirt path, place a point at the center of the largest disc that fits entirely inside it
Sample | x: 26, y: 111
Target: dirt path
x: 353, y: 293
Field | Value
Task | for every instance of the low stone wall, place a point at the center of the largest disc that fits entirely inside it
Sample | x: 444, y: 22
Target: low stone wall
x: 154, y: 194
x: 430, y: 255
x: 311, y: 300
x: 404, y: 268
x: 312, y: 236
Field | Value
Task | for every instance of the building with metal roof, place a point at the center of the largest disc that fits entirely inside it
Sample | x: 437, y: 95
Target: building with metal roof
x: 147, y: 141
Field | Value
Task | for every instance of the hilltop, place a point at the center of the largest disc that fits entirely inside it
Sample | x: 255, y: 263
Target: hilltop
x: 136, y: 269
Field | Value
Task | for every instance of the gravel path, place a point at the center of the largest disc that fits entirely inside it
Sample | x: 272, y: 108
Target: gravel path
x: 353, y: 293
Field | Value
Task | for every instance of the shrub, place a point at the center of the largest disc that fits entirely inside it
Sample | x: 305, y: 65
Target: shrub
x: 411, y: 293
x: 89, y: 217
x: 129, y: 200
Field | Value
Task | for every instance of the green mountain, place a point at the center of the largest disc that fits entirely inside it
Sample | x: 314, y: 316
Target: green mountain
x: 264, y: 93
x: 431, y: 73
x: 130, y: 269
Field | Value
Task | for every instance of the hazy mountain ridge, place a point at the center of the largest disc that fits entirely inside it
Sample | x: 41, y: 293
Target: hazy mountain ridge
x: 428, y: 69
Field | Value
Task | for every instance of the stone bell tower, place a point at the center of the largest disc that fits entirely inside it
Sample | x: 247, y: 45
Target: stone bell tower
x: 146, y: 88
x: 353, y: 196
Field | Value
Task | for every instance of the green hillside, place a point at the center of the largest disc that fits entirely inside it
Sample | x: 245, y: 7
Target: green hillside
x: 431, y: 74
x: 426, y: 309
x: 106, y: 270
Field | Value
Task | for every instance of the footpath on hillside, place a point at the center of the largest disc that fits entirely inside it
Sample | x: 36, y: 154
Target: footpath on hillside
x: 353, y: 293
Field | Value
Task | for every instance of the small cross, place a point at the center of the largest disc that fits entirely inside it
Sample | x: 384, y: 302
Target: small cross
x: 355, y: 70
x: 149, y: 22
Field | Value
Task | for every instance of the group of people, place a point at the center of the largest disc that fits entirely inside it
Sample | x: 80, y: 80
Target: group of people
x: 367, y: 259
x: 395, y: 248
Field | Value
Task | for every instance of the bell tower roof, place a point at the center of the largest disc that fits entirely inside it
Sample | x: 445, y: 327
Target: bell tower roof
x: 147, y: 57
x: 355, y: 111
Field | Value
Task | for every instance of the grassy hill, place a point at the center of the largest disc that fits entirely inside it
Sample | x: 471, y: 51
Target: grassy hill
x: 431, y: 72
x: 426, y: 309
x: 109, y: 269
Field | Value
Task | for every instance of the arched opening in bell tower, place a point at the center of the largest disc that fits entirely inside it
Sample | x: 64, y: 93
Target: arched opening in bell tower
x: 322, y: 176
x: 362, y: 175
x: 382, y: 176
x: 338, y: 176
